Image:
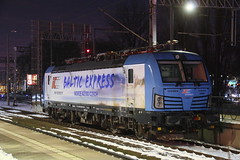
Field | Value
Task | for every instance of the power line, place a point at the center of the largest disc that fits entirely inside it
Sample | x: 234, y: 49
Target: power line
x: 123, y: 25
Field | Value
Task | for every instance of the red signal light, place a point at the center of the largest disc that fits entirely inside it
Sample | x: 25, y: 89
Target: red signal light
x: 87, y: 50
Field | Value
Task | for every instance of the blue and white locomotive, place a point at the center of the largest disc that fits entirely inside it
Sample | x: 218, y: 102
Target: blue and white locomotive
x: 147, y: 93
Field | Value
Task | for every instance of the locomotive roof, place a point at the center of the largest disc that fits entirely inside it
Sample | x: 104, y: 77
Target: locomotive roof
x: 90, y: 65
x: 179, y: 52
x: 131, y: 59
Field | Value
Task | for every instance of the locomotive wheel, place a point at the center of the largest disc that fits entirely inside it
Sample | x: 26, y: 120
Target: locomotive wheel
x: 114, y: 130
x: 72, y: 118
x: 139, y: 131
x: 59, y: 118
x: 54, y: 114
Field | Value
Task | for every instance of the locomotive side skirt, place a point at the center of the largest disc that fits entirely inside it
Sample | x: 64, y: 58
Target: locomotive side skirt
x: 126, y: 118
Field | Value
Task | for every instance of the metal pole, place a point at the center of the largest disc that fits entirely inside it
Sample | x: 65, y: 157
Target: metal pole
x: 171, y: 26
x: 94, y: 37
x: 7, y: 77
x: 152, y: 23
x: 51, y: 53
x: 15, y: 77
x: 233, y: 28
x: 8, y: 69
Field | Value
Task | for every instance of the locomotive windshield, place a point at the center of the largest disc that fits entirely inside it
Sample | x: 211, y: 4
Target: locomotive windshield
x: 182, y: 71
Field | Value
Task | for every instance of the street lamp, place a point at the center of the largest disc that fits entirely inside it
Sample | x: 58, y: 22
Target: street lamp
x: 190, y: 6
x: 7, y: 77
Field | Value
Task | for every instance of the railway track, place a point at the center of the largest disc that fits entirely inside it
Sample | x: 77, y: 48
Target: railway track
x: 125, y: 145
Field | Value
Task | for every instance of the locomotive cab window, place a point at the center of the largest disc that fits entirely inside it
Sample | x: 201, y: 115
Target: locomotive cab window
x: 182, y: 71
x: 194, y: 71
x: 171, y: 71
x: 130, y: 75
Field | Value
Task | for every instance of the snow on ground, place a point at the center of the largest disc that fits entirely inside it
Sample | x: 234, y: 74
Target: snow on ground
x: 155, y: 150
x: 7, y: 117
x: 22, y: 106
x: 144, y: 148
x: 6, y: 156
x: 211, y: 151
x: 230, y: 120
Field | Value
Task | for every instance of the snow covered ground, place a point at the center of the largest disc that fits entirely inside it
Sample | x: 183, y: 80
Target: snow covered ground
x: 20, y: 106
x: 6, y: 156
x: 146, y: 149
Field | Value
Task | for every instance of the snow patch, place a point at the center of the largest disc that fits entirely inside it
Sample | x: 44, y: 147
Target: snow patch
x: 6, y: 156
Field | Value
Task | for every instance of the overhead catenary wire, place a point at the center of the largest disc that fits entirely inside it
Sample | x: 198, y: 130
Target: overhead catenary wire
x: 100, y: 9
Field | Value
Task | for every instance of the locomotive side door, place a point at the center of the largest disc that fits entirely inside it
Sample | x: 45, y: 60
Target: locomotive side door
x: 129, y: 71
x: 135, y: 75
x: 47, y: 86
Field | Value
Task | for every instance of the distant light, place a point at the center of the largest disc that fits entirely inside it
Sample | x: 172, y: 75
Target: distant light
x: 190, y: 6
x: 88, y: 50
x: 13, y: 31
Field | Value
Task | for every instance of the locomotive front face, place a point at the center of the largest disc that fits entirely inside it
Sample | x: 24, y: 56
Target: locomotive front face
x: 183, y: 84
x: 180, y: 90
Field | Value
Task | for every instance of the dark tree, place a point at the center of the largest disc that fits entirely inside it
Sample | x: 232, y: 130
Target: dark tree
x: 56, y: 52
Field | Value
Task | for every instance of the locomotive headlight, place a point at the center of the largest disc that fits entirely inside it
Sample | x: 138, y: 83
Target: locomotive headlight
x: 158, y: 101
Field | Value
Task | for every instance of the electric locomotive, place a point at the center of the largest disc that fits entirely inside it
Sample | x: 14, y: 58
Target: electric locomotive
x: 149, y: 93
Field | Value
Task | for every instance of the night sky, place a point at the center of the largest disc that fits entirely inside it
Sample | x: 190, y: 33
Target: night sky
x: 17, y: 15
